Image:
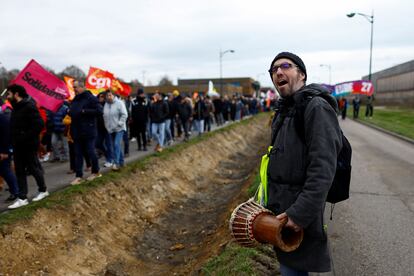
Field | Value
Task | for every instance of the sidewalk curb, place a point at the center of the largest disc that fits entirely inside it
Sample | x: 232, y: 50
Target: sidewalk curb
x: 406, y: 139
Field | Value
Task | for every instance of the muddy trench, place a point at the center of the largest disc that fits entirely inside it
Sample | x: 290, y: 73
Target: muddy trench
x: 166, y: 219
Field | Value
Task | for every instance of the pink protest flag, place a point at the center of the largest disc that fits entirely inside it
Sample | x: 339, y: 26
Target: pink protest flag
x: 47, y: 89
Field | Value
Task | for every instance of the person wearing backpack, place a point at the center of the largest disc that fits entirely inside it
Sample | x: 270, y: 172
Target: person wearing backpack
x: 306, y: 142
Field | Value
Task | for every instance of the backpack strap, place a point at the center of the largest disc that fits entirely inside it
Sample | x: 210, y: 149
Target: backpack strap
x: 281, y: 113
x: 299, y: 111
x: 299, y: 115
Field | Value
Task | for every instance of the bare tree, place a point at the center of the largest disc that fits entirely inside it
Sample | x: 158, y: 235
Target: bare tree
x: 165, y: 81
x: 13, y: 73
x: 3, y: 72
x: 136, y: 83
x: 73, y: 71
x: 3, y: 78
x: 6, y: 77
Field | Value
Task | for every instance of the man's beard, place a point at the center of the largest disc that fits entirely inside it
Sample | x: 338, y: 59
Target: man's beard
x: 293, y: 86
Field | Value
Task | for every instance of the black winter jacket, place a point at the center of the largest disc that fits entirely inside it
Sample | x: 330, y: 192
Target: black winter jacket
x: 26, y: 125
x: 139, y: 112
x: 84, y: 111
x: 159, y: 111
x: 218, y: 106
x: 184, y: 111
x: 300, y: 175
x: 199, y: 110
x: 172, y: 109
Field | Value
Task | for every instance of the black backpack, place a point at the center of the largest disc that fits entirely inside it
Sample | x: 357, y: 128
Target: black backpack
x: 339, y: 190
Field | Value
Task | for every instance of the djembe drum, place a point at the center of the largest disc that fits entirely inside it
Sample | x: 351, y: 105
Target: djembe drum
x: 251, y: 223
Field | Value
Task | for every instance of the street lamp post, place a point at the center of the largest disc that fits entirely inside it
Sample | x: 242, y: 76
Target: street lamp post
x: 370, y: 19
x: 143, y: 77
x: 221, y: 67
x: 330, y: 71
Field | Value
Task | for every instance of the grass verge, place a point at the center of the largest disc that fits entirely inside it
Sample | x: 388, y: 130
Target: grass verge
x: 234, y: 260
x: 394, y: 119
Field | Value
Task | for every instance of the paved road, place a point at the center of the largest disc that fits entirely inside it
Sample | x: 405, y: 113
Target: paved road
x: 373, y: 232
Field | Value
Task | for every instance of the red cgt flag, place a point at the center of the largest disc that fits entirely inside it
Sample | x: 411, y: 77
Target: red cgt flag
x: 121, y: 88
x: 98, y: 80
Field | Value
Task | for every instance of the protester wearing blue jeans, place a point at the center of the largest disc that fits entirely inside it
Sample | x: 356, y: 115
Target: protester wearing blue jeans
x: 104, y: 139
x: 159, y: 111
x: 168, y: 131
x: 199, y: 126
x: 9, y: 177
x: 115, y: 116
x: 117, y: 137
x: 158, y: 133
x: 200, y: 110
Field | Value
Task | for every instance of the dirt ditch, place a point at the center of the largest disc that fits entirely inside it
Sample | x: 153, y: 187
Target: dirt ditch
x: 168, y: 218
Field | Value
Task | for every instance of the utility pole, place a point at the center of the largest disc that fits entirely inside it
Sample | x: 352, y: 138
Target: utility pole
x: 370, y: 19
x: 221, y: 67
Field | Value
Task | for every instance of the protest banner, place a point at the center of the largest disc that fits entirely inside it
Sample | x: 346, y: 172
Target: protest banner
x: 44, y: 87
x: 362, y: 87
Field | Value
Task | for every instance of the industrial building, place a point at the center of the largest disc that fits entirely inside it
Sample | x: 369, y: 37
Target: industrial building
x: 395, y: 85
x: 225, y: 86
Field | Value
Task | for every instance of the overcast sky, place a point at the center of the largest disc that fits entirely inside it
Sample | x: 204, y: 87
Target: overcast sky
x: 136, y: 39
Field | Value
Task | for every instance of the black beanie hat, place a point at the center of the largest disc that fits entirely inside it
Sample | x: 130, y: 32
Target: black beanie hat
x: 297, y: 60
x: 140, y: 91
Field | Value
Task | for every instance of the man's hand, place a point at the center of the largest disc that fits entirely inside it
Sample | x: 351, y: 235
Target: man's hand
x: 290, y: 224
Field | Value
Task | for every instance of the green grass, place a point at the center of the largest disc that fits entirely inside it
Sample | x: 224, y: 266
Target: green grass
x: 397, y: 120
x: 65, y: 197
x: 234, y: 260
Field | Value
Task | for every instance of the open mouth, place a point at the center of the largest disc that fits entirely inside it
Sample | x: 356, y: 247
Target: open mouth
x: 282, y: 82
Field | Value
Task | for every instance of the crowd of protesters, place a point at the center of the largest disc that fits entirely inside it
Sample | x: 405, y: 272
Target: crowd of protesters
x: 90, y: 127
